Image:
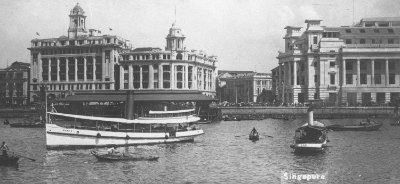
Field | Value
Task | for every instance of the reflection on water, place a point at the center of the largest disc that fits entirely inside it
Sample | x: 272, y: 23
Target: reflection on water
x: 223, y: 155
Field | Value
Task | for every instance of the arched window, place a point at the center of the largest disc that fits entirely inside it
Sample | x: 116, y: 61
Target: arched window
x: 179, y: 56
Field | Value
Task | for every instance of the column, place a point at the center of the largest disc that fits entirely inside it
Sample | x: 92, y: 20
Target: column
x: 186, y: 73
x: 84, y: 69
x: 372, y: 72
x: 279, y: 75
x: 94, y: 68
x: 111, y: 68
x: 121, y: 77
x: 130, y: 81
x: 358, y: 72
x: 49, y: 69
x: 141, y: 77
x: 290, y: 73
x: 58, y: 69
x: 160, y: 76
x: 66, y: 69
x: 76, y: 69
x: 387, y: 72
x: 151, y: 76
x: 344, y: 72
x: 172, y: 85
x: 294, y: 73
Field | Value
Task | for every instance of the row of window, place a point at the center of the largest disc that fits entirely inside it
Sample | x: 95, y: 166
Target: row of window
x: 378, y: 65
x: 62, y: 87
x: 377, y: 78
x: 371, y: 41
x: 389, y: 31
x: 74, y: 42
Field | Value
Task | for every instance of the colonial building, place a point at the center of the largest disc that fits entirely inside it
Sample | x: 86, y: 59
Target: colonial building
x: 82, y: 61
x: 242, y: 86
x: 14, y: 84
x: 175, y: 68
x: 341, y: 65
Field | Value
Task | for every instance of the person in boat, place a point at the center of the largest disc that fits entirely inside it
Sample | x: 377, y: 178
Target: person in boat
x: 4, y: 148
x: 6, y: 122
x: 112, y: 150
x: 254, y: 131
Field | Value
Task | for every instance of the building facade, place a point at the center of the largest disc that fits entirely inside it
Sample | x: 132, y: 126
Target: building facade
x: 175, y: 68
x: 239, y: 86
x: 82, y: 61
x: 14, y: 84
x: 358, y: 64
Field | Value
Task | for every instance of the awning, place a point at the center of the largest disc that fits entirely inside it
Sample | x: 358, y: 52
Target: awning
x: 137, y: 97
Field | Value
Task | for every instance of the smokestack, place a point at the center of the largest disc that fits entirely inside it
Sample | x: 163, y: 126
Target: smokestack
x: 310, y: 115
x: 129, y: 105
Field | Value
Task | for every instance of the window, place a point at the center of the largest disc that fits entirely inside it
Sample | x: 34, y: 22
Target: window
x: 383, y: 24
x: 349, y: 78
x: 376, y: 30
x: 363, y: 65
x: 362, y: 41
x: 378, y: 79
x: 349, y: 65
x: 390, y: 41
x: 390, y: 31
x: 332, y: 79
x: 373, y: 41
x: 363, y: 78
x: 392, y: 78
x: 370, y: 24
x: 348, y: 30
x: 315, y: 40
x: 362, y: 30
x: 332, y: 64
x: 316, y: 79
x: 348, y: 41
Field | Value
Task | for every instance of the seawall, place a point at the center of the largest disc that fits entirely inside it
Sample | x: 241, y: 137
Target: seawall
x: 17, y: 113
x: 325, y: 112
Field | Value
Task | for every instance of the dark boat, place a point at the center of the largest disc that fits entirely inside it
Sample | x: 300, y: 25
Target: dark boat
x: 110, y: 157
x: 254, y: 136
x: 363, y: 126
x: 396, y: 124
x: 6, y: 122
x: 28, y: 124
x: 9, y: 160
x: 310, y: 137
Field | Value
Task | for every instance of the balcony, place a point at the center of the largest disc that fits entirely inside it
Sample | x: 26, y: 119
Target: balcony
x: 372, y: 46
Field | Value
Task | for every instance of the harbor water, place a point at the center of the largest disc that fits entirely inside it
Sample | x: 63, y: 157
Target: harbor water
x: 222, y: 155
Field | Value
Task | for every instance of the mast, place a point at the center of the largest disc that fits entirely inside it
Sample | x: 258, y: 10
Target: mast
x: 45, y: 96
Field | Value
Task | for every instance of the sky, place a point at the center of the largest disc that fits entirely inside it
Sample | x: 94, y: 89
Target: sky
x: 244, y: 34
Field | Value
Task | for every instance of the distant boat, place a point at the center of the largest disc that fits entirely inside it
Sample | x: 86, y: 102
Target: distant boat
x: 363, y: 126
x: 28, y: 124
x: 396, y: 124
x: 9, y: 160
x: 112, y: 157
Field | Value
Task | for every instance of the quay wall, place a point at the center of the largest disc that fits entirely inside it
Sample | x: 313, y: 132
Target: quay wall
x: 324, y: 112
x: 17, y: 113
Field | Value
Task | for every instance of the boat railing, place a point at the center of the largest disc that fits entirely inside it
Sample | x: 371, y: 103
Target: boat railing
x: 137, y: 130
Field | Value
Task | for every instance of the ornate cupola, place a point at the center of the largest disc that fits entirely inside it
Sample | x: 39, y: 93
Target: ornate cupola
x: 175, y: 39
x: 77, y: 22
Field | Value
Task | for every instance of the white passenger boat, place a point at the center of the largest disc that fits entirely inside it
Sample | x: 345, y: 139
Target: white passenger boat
x: 79, y: 131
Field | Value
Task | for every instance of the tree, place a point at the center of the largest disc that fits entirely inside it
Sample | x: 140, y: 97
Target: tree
x: 265, y: 96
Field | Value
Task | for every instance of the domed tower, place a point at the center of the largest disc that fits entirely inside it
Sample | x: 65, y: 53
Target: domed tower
x: 77, y: 22
x: 175, y: 39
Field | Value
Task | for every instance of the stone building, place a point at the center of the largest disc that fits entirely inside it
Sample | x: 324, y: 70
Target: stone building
x: 358, y: 64
x: 242, y: 86
x: 14, y: 84
x: 175, y: 68
x: 84, y: 60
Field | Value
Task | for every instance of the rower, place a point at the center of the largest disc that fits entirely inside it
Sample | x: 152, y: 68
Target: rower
x: 254, y: 131
x: 112, y: 150
x: 4, y: 148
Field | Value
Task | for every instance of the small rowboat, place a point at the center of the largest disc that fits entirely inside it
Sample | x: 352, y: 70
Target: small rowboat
x: 9, y: 160
x: 111, y: 157
x: 254, y: 137
x: 396, y: 124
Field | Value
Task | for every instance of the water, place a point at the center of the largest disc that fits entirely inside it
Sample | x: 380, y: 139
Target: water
x: 223, y: 155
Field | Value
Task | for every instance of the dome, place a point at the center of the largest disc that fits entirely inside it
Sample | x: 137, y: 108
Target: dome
x: 77, y: 10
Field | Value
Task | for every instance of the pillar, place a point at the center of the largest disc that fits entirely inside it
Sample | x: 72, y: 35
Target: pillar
x: 130, y: 81
x: 84, y: 69
x: 49, y: 69
x: 373, y: 74
x: 160, y: 76
x: 387, y: 73
x: 141, y: 77
x: 121, y: 77
x: 290, y: 73
x: 344, y: 72
x: 186, y: 73
x: 66, y: 69
x: 151, y: 76
x: 76, y: 69
x: 172, y: 85
x: 58, y: 69
x: 294, y: 73
x: 358, y: 72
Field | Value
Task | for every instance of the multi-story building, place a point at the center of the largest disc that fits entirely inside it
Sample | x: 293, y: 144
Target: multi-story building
x: 14, y: 84
x: 348, y: 64
x: 240, y: 86
x: 175, y: 68
x: 82, y: 61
